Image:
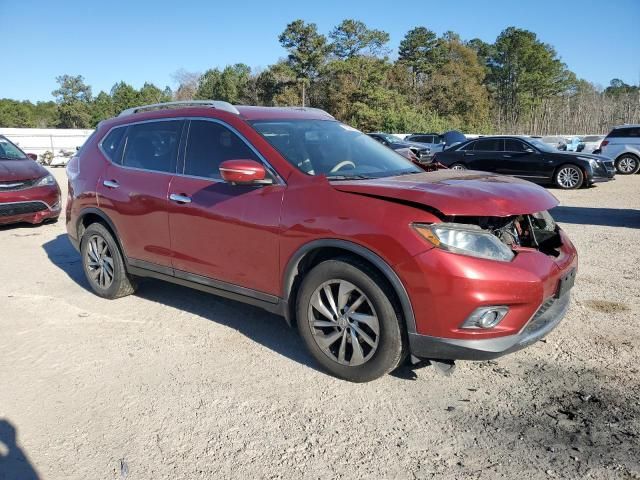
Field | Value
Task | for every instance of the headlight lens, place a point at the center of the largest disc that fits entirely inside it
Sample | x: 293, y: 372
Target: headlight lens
x: 465, y: 240
x: 47, y: 180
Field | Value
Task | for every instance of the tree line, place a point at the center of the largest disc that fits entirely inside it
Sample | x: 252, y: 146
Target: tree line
x: 517, y: 84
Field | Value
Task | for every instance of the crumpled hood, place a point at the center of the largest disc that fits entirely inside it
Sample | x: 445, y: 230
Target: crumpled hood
x: 452, y: 192
x: 20, y: 170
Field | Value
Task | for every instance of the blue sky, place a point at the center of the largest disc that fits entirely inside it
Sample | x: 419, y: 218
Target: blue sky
x: 138, y: 41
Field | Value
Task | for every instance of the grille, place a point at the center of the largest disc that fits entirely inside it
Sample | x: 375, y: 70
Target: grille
x: 539, y: 319
x: 11, y: 209
x: 9, y: 185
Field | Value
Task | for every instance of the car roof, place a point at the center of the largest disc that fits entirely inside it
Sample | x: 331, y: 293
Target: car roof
x: 627, y: 125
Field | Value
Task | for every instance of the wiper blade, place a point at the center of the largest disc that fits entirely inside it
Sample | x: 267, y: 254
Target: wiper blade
x: 348, y: 177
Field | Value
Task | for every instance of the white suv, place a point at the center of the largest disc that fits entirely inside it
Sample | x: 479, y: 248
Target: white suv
x: 623, y: 146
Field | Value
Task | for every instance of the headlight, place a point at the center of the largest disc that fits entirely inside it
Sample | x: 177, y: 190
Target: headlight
x: 44, y: 181
x: 466, y: 240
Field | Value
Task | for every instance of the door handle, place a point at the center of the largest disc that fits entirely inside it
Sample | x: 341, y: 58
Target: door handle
x: 110, y: 184
x: 174, y: 197
x: 506, y: 156
x: 469, y: 154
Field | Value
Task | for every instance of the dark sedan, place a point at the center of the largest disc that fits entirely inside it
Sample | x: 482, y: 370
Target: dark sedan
x: 395, y: 143
x: 530, y: 159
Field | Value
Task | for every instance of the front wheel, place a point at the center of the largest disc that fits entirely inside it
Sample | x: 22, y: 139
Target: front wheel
x: 458, y: 166
x: 569, y: 177
x: 347, y: 319
x: 627, y: 164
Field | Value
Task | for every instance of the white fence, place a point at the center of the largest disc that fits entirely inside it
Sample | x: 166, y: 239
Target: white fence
x: 40, y: 140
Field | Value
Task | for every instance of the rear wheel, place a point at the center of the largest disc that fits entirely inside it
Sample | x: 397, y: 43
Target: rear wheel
x: 347, y: 319
x: 103, y: 263
x: 458, y: 166
x: 569, y: 177
x: 627, y: 164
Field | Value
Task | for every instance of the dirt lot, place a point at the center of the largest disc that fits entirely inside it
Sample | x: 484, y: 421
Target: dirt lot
x: 173, y: 383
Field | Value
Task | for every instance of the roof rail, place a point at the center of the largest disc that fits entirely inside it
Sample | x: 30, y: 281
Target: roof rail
x: 217, y: 104
x: 310, y: 109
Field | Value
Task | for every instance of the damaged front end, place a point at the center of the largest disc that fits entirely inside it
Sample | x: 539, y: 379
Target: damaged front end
x: 538, y: 231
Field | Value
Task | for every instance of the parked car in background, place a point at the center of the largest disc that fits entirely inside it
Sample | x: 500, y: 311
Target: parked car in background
x: 528, y: 158
x: 623, y: 146
x: 433, y: 141
x: 396, y: 143
x: 28, y: 192
x: 61, y: 158
x: 590, y: 143
x: 572, y: 143
x: 292, y: 211
x: 556, y: 142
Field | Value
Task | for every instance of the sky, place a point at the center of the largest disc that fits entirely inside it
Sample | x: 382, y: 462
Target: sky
x: 138, y: 41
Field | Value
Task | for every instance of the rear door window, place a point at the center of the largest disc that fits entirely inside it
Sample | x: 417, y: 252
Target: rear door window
x: 625, y: 132
x: 209, y: 144
x: 111, y: 144
x: 153, y: 146
x: 489, y: 145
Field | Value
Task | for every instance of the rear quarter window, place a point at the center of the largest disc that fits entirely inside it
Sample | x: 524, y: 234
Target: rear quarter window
x: 110, y: 145
x: 625, y: 132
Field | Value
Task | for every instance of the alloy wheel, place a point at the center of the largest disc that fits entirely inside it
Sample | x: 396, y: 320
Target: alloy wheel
x: 568, y: 177
x: 459, y: 167
x: 627, y: 164
x: 344, y: 323
x: 99, y: 261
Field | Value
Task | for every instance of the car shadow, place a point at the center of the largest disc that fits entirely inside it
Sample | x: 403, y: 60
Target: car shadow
x: 609, y: 217
x: 260, y: 326
x: 14, y: 463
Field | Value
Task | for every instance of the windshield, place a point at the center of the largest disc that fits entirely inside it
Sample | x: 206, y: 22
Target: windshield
x: 592, y: 138
x: 389, y: 138
x: 540, y: 145
x: 327, y: 147
x: 8, y: 151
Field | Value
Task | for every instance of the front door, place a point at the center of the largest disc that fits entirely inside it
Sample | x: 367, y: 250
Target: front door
x: 222, y: 232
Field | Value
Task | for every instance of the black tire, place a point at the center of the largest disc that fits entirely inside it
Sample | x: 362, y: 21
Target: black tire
x: 391, y: 338
x: 627, y: 164
x: 458, y: 166
x: 569, y: 177
x: 121, y: 283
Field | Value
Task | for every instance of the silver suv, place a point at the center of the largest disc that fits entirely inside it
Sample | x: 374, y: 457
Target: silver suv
x: 623, y: 146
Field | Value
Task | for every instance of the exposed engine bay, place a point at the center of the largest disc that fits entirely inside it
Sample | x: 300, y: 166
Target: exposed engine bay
x: 537, y: 230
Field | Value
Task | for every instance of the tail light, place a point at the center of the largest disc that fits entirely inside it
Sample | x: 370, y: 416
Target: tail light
x: 604, y: 143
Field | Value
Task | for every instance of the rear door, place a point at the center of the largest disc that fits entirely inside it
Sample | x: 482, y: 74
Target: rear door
x: 133, y: 189
x: 486, y: 154
x: 223, y: 235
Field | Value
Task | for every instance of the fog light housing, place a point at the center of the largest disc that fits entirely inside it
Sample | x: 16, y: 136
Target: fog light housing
x: 486, y: 317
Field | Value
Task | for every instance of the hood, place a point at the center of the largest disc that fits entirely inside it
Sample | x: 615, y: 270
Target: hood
x: 20, y: 170
x: 465, y: 193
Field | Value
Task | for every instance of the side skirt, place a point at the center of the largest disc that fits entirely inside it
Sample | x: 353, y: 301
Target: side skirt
x: 267, y: 302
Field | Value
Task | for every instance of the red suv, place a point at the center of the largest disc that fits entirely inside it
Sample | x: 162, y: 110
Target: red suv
x: 290, y: 210
x: 28, y: 192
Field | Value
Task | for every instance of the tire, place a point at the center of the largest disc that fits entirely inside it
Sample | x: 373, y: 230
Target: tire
x: 103, y: 263
x: 569, y: 177
x: 376, y: 353
x: 458, y: 166
x: 627, y: 164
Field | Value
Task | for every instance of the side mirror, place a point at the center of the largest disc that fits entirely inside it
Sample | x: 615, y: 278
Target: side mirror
x: 33, y: 156
x: 242, y: 172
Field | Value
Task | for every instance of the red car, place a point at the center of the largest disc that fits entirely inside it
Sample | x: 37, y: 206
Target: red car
x: 28, y: 192
x: 370, y: 257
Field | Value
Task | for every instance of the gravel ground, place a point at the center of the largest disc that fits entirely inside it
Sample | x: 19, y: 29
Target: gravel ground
x: 174, y: 383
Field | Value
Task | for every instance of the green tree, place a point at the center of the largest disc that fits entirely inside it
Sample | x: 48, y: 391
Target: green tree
x: 307, y: 50
x: 73, y: 97
x: 523, y: 72
x: 124, y: 96
x: 102, y: 108
x: 230, y: 84
x: 150, y: 94
x: 418, y: 50
x: 353, y: 37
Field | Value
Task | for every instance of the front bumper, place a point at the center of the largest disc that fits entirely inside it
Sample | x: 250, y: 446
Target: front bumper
x: 33, y: 205
x: 545, y: 319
